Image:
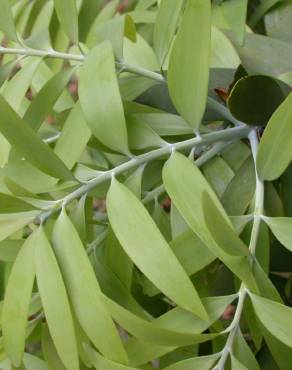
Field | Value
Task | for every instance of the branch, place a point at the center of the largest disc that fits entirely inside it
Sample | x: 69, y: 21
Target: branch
x: 258, y: 212
x: 224, y: 135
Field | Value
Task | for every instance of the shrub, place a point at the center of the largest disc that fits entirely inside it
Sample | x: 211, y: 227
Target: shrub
x: 146, y: 184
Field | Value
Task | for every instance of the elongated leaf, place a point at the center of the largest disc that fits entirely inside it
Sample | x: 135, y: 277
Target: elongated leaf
x: 165, y: 27
x: 130, y: 221
x: 67, y: 14
x: 25, y: 141
x: 202, y: 363
x: 50, y: 353
x: 84, y: 290
x: 100, y: 98
x: 186, y: 185
x: 17, y: 298
x: 151, y: 332
x: 43, y: 103
x: 11, y: 222
x: 74, y: 137
x: 57, y: 313
x: 188, y: 71
x: 275, y: 151
x: 275, y: 317
x: 6, y: 21
x: 10, y: 204
x: 141, y: 351
x: 281, y: 227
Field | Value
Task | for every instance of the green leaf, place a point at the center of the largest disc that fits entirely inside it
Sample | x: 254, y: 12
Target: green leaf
x: 165, y: 27
x: 130, y: 220
x: 275, y: 153
x: 17, y: 299
x: 177, y: 319
x: 11, y: 204
x: 49, y: 350
x: 74, y: 137
x: 236, y: 364
x: 254, y: 99
x: 243, y: 352
x: 58, y: 314
x: 5, y: 71
x: 186, y: 185
x: 281, y: 227
x: 188, y: 71
x: 275, y: 317
x: 261, y: 9
x: 7, y: 25
x: 114, y: 31
x: 202, y: 363
x: 151, y: 332
x: 100, y: 98
x: 28, y: 144
x: 44, y: 101
x: 68, y: 17
x: 84, y: 291
x: 9, y: 249
x: 12, y: 222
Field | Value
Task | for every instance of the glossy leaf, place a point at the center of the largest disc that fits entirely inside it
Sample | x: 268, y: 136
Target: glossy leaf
x: 100, y: 98
x: 275, y: 153
x: 188, y: 70
x: 130, y: 220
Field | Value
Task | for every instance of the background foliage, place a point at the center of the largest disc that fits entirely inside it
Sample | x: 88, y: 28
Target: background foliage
x: 117, y: 252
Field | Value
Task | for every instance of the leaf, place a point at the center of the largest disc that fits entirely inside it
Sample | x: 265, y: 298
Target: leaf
x: 6, y: 21
x: 58, y: 314
x: 202, y: 363
x: 243, y: 352
x: 254, y: 99
x: 28, y: 144
x: 100, y: 98
x: 84, y: 291
x: 12, y: 222
x: 68, y: 17
x: 236, y: 364
x: 177, y: 319
x: 188, y: 70
x: 275, y: 153
x: 49, y: 350
x: 11, y: 204
x: 261, y: 9
x: 17, y: 299
x: 281, y: 227
x: 186, y: 185
x: 9, y: 249
x: 44, y: 101
x: 74, y: 137
x: 5, y: 71
x: 129, y: 220
x: 151, y: 332
x: 165, y: 27
x: 114, y: 31
x: 275, y: 317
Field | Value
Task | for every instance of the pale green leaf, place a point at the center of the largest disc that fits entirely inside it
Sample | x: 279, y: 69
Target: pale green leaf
x: 44, y: 101
x: 83, y: 290
x: 275, y: 151
x: 188, y: 71
x: 49, y: 350
x: 165, y: 27
x: 130, y: 220
x: 28, y: 144
x: 17, y: 299
x: 275, y: 317
x: 12, y: 222
x: 58, y: 314
x: 281, y: 227
x: 7, y: 25
x: 68, y: 17
x: 202, y: 363
x: 100, y: 98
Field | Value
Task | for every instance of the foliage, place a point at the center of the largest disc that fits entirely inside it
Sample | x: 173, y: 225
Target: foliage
x: 145, y: 184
